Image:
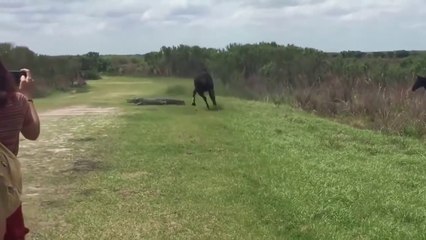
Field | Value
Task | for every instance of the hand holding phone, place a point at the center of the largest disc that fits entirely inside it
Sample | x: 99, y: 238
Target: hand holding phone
x: 17, y: 76
x: 24, y: 82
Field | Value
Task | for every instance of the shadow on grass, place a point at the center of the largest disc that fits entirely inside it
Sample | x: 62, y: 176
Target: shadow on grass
x: 216, y: 108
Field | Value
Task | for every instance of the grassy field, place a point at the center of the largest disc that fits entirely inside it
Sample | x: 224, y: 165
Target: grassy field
x: 248, y: 171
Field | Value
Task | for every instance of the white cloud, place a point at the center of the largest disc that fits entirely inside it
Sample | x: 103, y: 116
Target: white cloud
x: 140, y: 25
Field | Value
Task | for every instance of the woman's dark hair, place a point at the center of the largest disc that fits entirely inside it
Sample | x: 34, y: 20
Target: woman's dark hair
x: 7, y: 85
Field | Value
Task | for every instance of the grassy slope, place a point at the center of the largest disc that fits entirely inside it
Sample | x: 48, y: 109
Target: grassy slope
x: 250, y: 171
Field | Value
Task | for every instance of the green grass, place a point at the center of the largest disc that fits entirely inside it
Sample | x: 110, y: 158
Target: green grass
x: 113, y: 91
x: 249, y: 171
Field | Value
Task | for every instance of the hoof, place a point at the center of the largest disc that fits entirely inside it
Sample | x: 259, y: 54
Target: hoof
x: 193, y: 104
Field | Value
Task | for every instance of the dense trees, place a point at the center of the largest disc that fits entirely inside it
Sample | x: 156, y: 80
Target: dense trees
x: 57, y: 72
x: 53, y: 72
x: 259, y: 68
x: 270, y: 64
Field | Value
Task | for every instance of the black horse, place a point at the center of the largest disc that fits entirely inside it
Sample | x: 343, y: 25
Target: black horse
x: 420, y: 83
x: 204, y: 83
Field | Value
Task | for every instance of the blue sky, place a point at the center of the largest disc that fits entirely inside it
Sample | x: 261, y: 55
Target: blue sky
x: 138, y: 26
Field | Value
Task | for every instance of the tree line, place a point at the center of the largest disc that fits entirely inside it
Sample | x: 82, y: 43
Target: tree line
x: 53, y: 73
x: 261, y: 67
x: 371, y: 86
x: 257, y: 67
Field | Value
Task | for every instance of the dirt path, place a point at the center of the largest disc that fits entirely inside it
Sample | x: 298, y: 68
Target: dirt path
x: 49, y: 163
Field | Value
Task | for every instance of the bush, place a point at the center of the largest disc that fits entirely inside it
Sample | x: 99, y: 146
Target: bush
x: 91, y: 75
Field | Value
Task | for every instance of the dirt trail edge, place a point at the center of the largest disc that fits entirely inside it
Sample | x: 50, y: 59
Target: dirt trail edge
x: 47, y: 164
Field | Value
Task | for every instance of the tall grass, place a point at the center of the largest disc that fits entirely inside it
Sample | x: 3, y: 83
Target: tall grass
x: 393, y: 109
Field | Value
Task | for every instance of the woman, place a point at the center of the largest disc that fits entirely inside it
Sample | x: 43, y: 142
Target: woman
x: 17, y: 115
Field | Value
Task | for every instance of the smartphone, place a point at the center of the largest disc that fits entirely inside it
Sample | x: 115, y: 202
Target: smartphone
x: 17, y: 76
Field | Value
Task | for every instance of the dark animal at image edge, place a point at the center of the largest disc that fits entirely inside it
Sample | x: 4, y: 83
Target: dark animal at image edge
x: 204, y: 83
x: 420, y: 82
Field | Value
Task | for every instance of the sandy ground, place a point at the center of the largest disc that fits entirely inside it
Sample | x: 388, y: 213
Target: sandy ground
x: 77, y: 111
x: 48, y: 163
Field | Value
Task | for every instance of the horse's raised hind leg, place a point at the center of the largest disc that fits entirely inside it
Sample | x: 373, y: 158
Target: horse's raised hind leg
x: 212, y: 96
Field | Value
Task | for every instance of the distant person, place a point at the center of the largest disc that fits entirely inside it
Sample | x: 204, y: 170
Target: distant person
x: 17, y: 115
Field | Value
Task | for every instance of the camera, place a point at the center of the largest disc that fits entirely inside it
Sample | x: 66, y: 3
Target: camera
x: 17, y: 76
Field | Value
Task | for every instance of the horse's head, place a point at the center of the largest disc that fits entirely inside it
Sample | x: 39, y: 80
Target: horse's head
x: 420, y: 82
